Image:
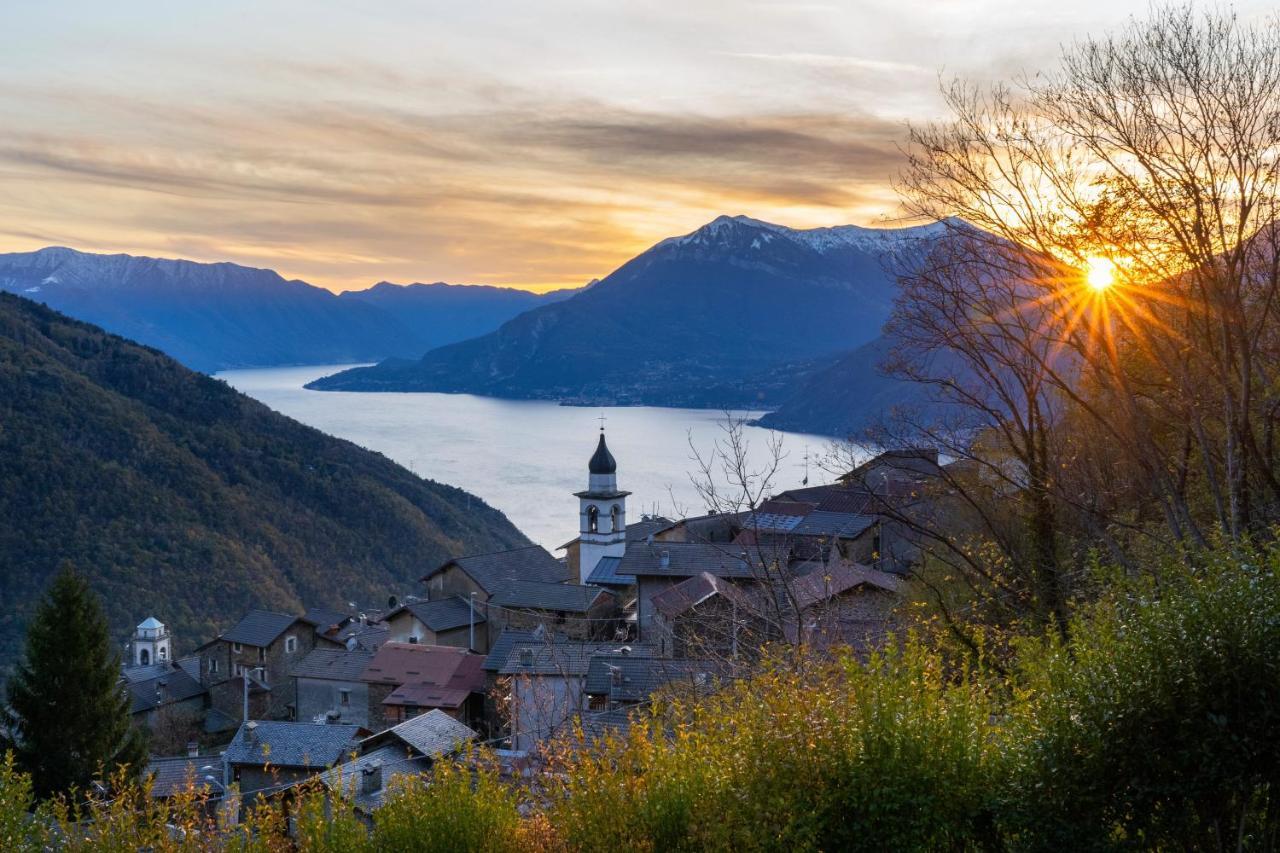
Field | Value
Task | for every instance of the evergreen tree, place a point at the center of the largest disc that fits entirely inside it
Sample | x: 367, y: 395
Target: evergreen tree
x: 67, y: 717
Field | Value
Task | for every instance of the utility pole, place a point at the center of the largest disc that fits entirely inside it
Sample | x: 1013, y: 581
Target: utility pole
x: 472, y: 641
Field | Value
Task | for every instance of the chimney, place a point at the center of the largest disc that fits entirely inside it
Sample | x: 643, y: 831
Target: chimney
x: 193, y: 748
x: 250, y: 731
x: 664, y: 559
x: 371, y: 778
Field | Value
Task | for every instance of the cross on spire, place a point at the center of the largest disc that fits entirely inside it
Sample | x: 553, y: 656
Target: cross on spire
x: 601, y: 419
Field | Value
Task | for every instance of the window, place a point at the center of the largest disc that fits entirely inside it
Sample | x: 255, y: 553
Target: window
x: 238, y: 669
x: 144, y: 657
x: 615, y: 519
x: 237, y: 648
x: 413, y: 640
x: 290, y: 644
x: 164, y: 653
x: 345, y: 697
x: 593, y: 519
x: 262, y: 655
x: 213, y: 664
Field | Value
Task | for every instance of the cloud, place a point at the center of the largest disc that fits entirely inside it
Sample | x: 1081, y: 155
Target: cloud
x: 836, y: 61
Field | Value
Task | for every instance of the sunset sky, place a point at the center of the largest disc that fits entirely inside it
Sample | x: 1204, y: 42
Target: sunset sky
x: 535, y: 144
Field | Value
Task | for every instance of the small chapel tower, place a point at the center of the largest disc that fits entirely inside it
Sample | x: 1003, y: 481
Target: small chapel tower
x: 602, y: 508
x: 150, y: 643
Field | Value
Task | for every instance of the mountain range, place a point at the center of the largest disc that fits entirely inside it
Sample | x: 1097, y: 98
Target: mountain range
x: 737, y: 314
x: 214, y: 317
x: 180, y: 498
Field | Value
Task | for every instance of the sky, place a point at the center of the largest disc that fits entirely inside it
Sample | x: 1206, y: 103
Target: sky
x: 535, y: 144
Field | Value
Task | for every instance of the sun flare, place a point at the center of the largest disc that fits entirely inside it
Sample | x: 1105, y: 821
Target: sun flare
x: 1100, y: 273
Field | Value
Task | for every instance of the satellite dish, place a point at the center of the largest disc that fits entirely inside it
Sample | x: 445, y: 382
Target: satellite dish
x: 392, y: 601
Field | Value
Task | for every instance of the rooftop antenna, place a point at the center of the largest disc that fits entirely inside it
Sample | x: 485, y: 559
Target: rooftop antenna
x: 805, y: 481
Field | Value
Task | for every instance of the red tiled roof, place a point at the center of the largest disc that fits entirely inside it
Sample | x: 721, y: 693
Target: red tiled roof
x: 411, y: 663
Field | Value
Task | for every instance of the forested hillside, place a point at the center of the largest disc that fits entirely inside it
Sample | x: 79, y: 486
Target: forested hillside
x: 186, y: 500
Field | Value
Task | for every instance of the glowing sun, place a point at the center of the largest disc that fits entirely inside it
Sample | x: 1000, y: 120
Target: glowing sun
x: 1100, y: 273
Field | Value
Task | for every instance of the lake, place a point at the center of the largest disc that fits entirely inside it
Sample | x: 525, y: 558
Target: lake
x: 525, y: 457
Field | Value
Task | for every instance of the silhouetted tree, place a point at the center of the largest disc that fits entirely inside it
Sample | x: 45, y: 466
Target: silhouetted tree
x: 67, y: 716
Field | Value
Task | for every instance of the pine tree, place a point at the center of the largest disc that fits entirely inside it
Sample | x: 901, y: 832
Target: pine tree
x: 67, y: 717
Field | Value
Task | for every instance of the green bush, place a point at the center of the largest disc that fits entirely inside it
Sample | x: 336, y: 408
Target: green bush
x: 1160, y: 724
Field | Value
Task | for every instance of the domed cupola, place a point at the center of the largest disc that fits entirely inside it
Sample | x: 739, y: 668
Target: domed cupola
x: 602, y: 512
x: 602, y: 461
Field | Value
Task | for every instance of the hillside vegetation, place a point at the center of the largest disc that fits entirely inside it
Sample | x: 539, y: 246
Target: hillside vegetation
x: 181, y: 498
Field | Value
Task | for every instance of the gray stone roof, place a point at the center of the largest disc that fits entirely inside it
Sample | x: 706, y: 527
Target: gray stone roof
x: 491, y: 571
x: 684, y: 559
x: 443, y: 614
x: 680, y: 598
x: 333, y: 664
x: 501, y: 647
x: 634, y: 679
x: 563, y: 657
x: 606, y: 573
x: 171, y: 685
x: 170, y: 776
x: 323, y: 619
x: 392, y: 760
x: 433, y: 733
x: 844, y: 525
x: 259, y: 628
x: 291, y: 744
x: 539, y: 595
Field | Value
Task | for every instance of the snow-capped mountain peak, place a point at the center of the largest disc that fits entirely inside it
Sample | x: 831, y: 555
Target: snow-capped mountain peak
x: 870, y: 240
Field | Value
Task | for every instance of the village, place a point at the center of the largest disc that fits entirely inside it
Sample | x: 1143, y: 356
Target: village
x: 520, y: 649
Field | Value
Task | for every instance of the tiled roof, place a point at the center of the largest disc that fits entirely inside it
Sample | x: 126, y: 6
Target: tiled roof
x: 822, y: 584
x: 538, y: 595
x: 191, y: 666
x: 146, y: 672
x: 170, y: 776
x: 410, y: 663
x: 164, y: 688
x: 333, y: 664
x: 605, y: 573
x: 433, y: 733
x: 291, y: 744
x: 501, y: 647
x: 632, y: 679
x: 689, y: 593
x: 443, y: 614
x: 841, y: 524
x: 597, y: 725
x: 368, y: 637
x: 562, y: 657
x: 323, y: 619
x: 428, y: 696
x: 392, y: 759
x: 259, y: 628
x: 684, y: 559
x: 532, y: 563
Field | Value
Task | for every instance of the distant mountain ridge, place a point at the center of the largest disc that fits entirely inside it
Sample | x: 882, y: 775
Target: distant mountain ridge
x: 732, y: 314
x: 222, y: 315
x: 180, y: 498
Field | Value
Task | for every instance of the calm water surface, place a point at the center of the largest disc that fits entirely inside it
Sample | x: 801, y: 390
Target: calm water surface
x: 524, y: 457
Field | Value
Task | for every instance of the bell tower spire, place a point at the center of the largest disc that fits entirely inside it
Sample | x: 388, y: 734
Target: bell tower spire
x: 602, y: 511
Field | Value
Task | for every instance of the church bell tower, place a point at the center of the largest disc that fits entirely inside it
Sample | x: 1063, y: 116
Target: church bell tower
x: 602, y: 509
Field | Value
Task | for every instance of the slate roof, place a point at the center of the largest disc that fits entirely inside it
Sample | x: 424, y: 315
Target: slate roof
x: 490, y: 571
x: 684, y: 596
x: 429, y: 696
x: 368, y: 637
x: 823, y: 584
x: 685, y: 559
x: 597, y: 725
x: 170, y: 776
x: 291, y: 744
x: 563, y: 657
x: 333, y: 664
x: 538, y: 595
x: 836, y: 524
x: 433, y: 733
x: 147, y: 672
x: 411, y: 663
x: 394, y: 761
x: 501, y: 647
x: 606, y: 573
x: 259, y: 628
x: 164, y: 688
x: 442, y: 614
x: 637, y: 678
x: 323, y: 619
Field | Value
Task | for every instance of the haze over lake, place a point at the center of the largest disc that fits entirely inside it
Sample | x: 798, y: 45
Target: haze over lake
x: 525, y: 457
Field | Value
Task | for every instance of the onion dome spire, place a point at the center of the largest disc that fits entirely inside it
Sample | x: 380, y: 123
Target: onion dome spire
x: 602, y: 460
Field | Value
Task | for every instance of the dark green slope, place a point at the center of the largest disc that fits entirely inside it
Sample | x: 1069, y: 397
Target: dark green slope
x: 186, y: 500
